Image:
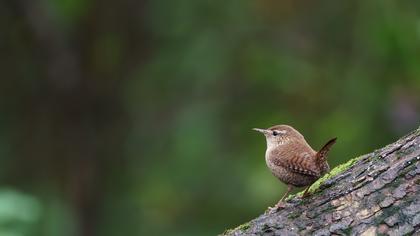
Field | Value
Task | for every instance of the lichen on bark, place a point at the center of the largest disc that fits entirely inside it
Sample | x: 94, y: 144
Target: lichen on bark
x: 377, y: 193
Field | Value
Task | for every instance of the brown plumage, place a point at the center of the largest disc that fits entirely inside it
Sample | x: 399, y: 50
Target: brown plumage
x: 290, y: 158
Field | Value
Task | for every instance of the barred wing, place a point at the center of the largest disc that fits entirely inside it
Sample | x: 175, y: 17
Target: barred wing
x: 301, y: 163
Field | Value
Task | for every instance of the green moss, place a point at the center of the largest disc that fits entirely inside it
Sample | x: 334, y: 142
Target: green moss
x: 228, y: 231
x: 241, y: 227
x: 347, y: 231
x: 293, y: 215
x: 390, y: 211
x: 337, y: 170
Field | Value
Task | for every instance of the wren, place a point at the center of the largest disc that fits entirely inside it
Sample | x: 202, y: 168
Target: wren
x: 290, y: 158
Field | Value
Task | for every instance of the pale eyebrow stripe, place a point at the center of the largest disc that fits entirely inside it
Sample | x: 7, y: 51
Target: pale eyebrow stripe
x: 281, y: 131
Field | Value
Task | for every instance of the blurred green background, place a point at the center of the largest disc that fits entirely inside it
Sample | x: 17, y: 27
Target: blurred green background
x: 134, y: 117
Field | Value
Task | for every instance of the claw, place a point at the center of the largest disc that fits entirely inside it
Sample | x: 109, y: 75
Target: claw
x: 306, y: 193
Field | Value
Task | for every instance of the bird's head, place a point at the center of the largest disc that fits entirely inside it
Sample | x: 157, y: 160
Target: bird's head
x: 279, y: 135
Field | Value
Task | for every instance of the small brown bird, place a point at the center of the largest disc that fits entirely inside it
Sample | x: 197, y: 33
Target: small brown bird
x: 290, y: 158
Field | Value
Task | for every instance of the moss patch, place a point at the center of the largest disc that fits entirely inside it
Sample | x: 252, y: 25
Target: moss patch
x: 337, y: 170
x: 227, y: 232
x: 241, y: 227
x: 293, y: 215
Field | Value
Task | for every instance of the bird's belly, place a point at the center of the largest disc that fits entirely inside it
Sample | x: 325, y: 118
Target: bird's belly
x: 289, y: 177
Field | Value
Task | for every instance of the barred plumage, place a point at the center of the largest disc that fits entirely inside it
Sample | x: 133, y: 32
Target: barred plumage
x: 290, y: 158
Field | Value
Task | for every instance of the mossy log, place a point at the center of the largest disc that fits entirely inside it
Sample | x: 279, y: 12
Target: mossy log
x: 375, y: 194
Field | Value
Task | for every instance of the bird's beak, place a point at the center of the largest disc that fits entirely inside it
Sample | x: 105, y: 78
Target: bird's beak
x: 264, y: 131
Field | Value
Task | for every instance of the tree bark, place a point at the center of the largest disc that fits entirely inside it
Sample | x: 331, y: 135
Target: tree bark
x: 375, y: 194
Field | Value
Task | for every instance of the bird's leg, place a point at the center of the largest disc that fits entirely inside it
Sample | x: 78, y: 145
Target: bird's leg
x: 306, y: 193
x: 280, y: 204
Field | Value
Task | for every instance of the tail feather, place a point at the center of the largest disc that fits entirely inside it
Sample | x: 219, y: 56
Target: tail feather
x: 322, y: 153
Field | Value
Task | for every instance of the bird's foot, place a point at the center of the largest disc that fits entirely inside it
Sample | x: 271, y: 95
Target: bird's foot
x: 276, y: 207
x: 305, y: 195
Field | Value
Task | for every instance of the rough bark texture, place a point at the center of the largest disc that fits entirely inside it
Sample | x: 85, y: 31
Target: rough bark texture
x: 375, y: 194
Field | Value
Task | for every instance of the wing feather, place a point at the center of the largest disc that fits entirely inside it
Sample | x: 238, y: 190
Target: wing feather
x: 297, y: 163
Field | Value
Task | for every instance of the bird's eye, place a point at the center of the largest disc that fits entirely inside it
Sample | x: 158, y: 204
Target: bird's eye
x: 275, y: 133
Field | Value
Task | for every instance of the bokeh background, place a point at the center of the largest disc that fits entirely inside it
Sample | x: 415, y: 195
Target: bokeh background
x: 134, y: 117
